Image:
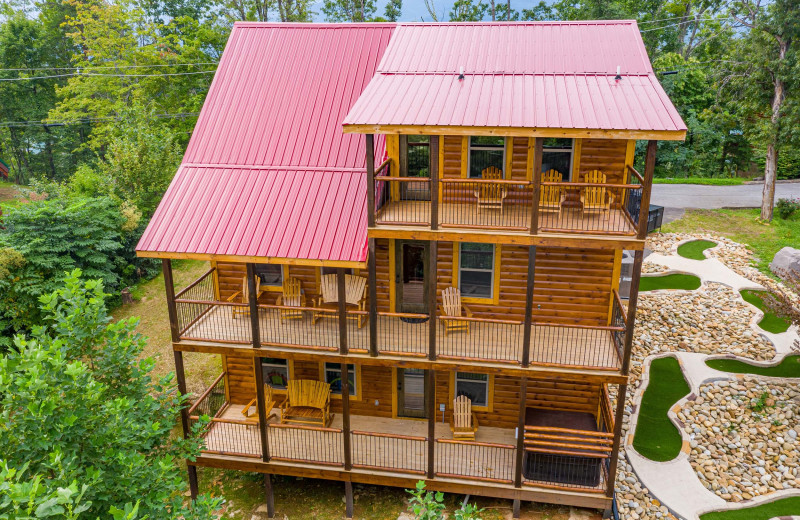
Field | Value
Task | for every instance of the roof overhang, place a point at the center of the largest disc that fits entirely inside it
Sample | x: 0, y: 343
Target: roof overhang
x: 576, y: 133
x: 251, y: 259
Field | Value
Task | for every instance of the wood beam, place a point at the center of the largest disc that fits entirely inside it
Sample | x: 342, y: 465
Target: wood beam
x: 172, y: 311
x: 633, y: 301
x: 515, y: 513
x: 370, y: 146
x: 346, y: 445
x: 619, y: 417
x: 342, y: 295
x: 538, y: 148
x: 647, y: 188
x: 348, y: 500
x: 434, y: 175
x: 527, y: 326
x: 430, y: 396
x: 432, y: 279
x: 270, y: 495
x: 520, y: 452
x: 180, y: 377
x: 193, y: 486
x: 242, y: 259
x: 372, y: 287
x: 255, y: 330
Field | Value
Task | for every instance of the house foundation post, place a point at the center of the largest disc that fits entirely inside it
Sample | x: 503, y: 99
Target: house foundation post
x: 614, y: 459
x: 270, y: 496
x: 193, y: 486
x: 255, y: 331
x: 647, y: 188
x: 527, y: 326
x: 348, y: 500
x: 523, y: 396
x: 515, y: 508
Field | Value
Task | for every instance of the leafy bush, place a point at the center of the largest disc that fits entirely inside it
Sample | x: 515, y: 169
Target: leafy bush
x: 427, y: 505
x: 785, y: 208
x: 79, y: 406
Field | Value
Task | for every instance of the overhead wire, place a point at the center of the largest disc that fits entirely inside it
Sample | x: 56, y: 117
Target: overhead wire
x: 93, y: 74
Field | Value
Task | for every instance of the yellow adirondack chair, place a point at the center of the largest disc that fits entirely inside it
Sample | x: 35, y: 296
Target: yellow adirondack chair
x: 250, y: 410
x: 355, y: 289
x: 243, y: 296
x: 551, y: 197
x: 292, y: 297
x: 599, y: 199
x: 307, y: 402
x: 490, y: 195
x: 465, y: 423
x: 452, y: 306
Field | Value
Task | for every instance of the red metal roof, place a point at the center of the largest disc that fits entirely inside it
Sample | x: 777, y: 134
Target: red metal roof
x: 268, y: 172
x: 517, y: 74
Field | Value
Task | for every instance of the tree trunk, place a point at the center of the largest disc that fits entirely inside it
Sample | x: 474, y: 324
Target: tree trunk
x: 771, y: 164
x: 493, y: 18
x: 508, y: 10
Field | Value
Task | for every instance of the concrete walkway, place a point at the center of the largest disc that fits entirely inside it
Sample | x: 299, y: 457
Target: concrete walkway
x: 675, y: 482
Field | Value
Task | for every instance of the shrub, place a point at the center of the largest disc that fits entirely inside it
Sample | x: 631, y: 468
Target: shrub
x: 785, y: 208
x: 427, y: 505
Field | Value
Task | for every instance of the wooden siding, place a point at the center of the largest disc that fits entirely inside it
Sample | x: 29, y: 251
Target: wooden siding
x: 229, y: 276
x: 376, y: 394
x: 606, y: 155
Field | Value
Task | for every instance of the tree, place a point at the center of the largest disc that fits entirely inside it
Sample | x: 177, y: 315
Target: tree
x: 393, y: 10
x: 766, y: 75
x: 349, y: 10
x: 81, y: 411
x: 468, y: 11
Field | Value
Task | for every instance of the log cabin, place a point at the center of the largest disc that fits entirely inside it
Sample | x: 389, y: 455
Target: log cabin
x: 399, y: 216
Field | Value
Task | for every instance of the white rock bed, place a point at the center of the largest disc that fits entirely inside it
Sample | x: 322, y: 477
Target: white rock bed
x: 744, y: 437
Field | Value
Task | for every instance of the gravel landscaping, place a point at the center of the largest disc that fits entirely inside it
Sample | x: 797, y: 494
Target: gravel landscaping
x: 744, y: 437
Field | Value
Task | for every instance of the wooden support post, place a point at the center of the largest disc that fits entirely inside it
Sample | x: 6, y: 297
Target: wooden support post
x: 647, y: 187
x: 370, y: 145
x: 180, y: 377
x: 527, y: 327
x: 633, y: 300
x: 618, y: 418
x: 523, y: 396
x: 430, y: 395
x: 194, y: 489
x: 348, y: 499
x: 255, y: 329
x: 372, y: 283
x: 515, y: 508
x: 538, y: 147
x: 172, y: 312
x: 434, y: 188
x: 342, y: 296
x: 432, y: 275
x: 270, y: 495
x: 348, y: 452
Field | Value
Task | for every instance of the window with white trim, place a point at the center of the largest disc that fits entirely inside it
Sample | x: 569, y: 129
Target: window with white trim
x: 333, y: 376
x: 474, y: 386
x: 486, y: 151
x: 275, y: 372
x: 476, y: 270
x: 270, y: 274
x: 557, y: 155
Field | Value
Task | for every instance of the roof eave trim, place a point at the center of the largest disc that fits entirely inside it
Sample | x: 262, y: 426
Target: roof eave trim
x: 579, y: 133
x: 174, y: 255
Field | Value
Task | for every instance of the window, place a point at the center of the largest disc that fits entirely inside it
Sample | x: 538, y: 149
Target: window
x: 333, y: 375
x: 419, y: 155
x: 557, y: 155
x: 474, y: 386
x: 486, y: 151
x: 275, y: 372
x: 271, y: 274
x: 476, y: 270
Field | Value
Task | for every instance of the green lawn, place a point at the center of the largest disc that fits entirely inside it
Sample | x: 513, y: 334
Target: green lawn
x: 743, y: 226
x: 789, y: 367
x: 709, y: 181
x: 785, y: 507
x: 771, y: 322
x: 670, y: 281
x: 693, y: 250
x: 656, y: 437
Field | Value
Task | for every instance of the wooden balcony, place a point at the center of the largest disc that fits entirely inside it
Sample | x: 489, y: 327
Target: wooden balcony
x: 555, y: 458
x: 488, y: 340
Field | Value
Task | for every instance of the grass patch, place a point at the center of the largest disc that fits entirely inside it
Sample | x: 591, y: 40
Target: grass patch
x: 743, y: 226
x: 693, y: 250
x: 771, y: 322
x: 789, y: 367
x: 784, y: 507
x: 150, y: 305
x: 669, y: 281
x: 656, y: 437
x: 707, y: 181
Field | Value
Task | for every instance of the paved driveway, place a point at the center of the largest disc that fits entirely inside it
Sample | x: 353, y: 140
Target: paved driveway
x: 715, y: 197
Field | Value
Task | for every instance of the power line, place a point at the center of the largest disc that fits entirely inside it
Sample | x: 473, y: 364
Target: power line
x: 686, y: 22
x: 23, y: 124
x: 92, y: 74
x: 93, y: 67
x: 661, y: 19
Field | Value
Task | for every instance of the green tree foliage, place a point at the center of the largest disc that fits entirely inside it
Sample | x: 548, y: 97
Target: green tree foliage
x: 349, y: 10
x: 393, y: 10
x: 81, y: 413
x: 468, y: 11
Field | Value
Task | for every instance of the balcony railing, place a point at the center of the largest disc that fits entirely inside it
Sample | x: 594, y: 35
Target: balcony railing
x: 486, y: 204
x: 310, y: 444
x: 390, y: 452
x: 475, y: 460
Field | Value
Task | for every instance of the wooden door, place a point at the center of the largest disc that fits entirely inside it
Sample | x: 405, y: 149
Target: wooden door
x: 411, y: 276
x: 411, y: 389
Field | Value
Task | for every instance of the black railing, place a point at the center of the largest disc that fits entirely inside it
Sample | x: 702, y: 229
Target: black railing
x: 619, y: 322
x: 309, y: 444
x: 475, y: 460
x: 389, y: 452
x: 486, y: 203
x: 192, y: 304
x: 403, y: 200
